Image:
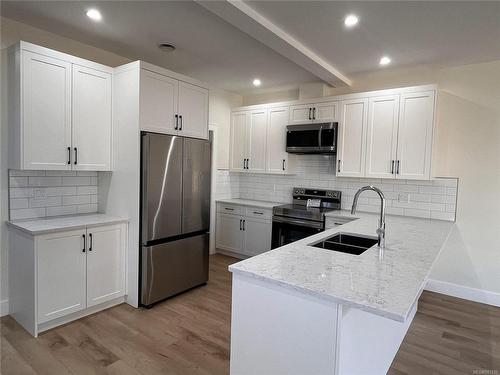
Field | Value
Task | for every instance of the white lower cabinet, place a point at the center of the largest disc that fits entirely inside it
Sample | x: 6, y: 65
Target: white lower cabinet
x: 244, y: 231
x: 66, y: 275
x: 105, y: 264
x: 61, y: 273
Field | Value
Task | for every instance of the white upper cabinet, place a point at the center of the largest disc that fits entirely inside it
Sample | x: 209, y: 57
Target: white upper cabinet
x: 257, y: 138
x: 172, y: 106
x: 193, y: 111
x: 416, y: 123
x: 314, y: 112
x: 300, y: 114
x: 238, y: 147
x: 382, y: 136
x: 277, y: 157
x: 325, y: 112
x: 158, y: 102
x: 352, y: 138
x: 248, y: 141
x: 91, y: 115
x: 60, y: 111
x: 45, y: 113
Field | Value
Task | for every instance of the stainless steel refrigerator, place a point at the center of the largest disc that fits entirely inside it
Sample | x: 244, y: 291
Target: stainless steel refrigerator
x: 175, y: 215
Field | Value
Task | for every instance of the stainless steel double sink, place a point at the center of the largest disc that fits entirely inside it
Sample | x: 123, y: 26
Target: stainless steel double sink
x: 347, y: 243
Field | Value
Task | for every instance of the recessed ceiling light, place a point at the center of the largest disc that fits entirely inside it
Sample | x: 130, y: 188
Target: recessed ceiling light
x: 385, y: 60
x: 94, y: 14
x: 166, y: 47
x: 351, y: 20
x: 256, y: 82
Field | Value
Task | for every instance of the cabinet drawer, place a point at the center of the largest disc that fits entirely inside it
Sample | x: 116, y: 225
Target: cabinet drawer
x: 259, y: 213
x: 230, y: 209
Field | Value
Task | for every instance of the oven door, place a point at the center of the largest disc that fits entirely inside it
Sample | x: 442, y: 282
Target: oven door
x: 287, y: 230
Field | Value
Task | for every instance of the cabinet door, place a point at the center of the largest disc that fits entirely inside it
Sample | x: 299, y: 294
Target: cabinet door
x: 158, y: 103
x: 239, y: 124
x: 229, y: 232
x: 300, y: 114
x: 277, y: 157
x: 352, y: 138
x: 257, y: 237
x: 91, y: 115
x: 381, y: 139
x: 325, y: 112
x: 257, y: 137
x: 61, y: 264
x: 193, y: 111
x: 105, y: 263
x: 416, y: 124
x: 46, y: 112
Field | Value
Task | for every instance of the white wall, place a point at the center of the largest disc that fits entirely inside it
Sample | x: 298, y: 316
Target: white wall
x: 12, y: 32
x: 220, y: 104
x: 467, y: 146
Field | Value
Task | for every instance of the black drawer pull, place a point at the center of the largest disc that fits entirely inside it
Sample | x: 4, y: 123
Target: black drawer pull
x: 258, y: 213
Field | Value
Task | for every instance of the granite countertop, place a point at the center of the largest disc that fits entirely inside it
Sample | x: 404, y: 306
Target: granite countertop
x: 387, y: 285
x: 249, y: 202
x: 61, y: 223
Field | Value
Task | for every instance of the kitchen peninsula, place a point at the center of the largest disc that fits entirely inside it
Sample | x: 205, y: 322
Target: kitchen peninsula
x: 357, y: 308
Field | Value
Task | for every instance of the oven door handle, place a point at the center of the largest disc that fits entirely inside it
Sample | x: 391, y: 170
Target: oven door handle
x: 304, y: 223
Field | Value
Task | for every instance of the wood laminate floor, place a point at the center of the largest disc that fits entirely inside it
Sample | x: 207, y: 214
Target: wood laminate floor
x: 189, y: 334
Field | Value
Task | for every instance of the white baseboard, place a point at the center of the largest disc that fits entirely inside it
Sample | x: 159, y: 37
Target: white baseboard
x: 464, y: 292
x: 4, y: 307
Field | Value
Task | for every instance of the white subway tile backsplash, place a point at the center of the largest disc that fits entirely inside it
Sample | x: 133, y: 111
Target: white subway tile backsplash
x: 19, y: 203
x: 27, y: 213
x: 45, y: 202
x: 82, y: 190
x: 424, y: 198
x: 35, y: 194
x: 76, y: 181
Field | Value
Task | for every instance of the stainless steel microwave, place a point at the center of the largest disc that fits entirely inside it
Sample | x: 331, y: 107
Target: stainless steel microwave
x: 312, y: 138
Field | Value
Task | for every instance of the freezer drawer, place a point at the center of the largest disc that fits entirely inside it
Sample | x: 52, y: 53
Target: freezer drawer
x: 173, y: 267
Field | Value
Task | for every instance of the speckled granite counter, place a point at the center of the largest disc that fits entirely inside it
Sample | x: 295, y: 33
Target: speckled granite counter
x: 61, y: 223
x: 248, y: 202
x: 387, y: 285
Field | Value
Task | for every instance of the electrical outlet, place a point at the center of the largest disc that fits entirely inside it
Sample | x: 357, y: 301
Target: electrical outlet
x: 40, y: 193
x: 403, y: 198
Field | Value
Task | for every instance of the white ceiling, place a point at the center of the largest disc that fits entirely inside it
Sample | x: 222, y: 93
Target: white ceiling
x: 445, y: 33
x: 411, y: 32
x: 208, y: 48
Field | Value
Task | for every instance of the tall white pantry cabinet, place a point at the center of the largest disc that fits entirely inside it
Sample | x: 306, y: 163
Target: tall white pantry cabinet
x: 60, y: 111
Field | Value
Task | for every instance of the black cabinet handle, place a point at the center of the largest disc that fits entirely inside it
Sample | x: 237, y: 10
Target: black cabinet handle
x: 258, y: 213
x: 229, y: 209
x: 240, y: 224
x: 284, y: 164
x: 84, y: 243
x: 76, y: 156
x: 248, y: 163
x: 90, y: 246
x: 176, y: 122
x: 314, y: 113
x: 310, y: 109
x: 392, y: 167
x: 180, y: 122
x: 338, y: 165
x: 69, y: 155
x: 397, y: 168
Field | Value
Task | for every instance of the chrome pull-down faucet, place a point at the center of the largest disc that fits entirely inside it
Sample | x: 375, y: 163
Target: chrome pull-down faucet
x: 381, y: 225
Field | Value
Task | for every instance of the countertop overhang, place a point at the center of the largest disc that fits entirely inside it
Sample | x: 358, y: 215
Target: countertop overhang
x: 387, y: 284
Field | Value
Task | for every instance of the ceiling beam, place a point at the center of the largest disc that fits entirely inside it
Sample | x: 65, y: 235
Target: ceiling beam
x: 245, y: 18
